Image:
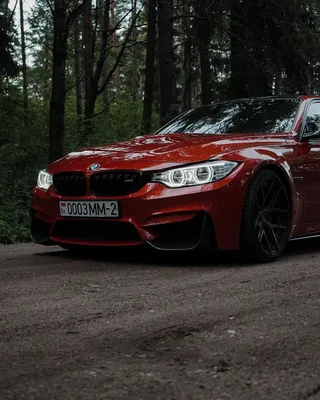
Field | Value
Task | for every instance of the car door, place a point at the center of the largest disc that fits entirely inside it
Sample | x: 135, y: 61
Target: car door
x: 310, y: 165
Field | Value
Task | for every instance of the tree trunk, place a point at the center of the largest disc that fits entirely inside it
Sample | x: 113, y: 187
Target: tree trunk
x: 187, y: 60
x: 166, y: 61
x: 24, y: 65
x: 93, y: 75
x: 77, y: 72
x: 238, y: 59
x: 105, y: 94
x: 115, y: 44
x: 149, y: 69
x: 196, y: 87
x: 278, y: 82
x: 59, y: 56
x: 204, y: 34
x: 250, y: 38
x: 105, y: 28
x: 135, y: 66
x: 258, y: 78
x: 205, y: 72
x: 61, y: 26
x: 156, y: 92
x: 88, y: 71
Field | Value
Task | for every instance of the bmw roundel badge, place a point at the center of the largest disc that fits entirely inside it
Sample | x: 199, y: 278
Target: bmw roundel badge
x: 93, y: 167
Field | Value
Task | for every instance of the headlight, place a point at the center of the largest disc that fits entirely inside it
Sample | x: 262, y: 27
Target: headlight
x: 44, y: 180
x: 199, y: 174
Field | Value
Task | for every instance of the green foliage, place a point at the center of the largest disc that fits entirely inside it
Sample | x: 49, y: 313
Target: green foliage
x: 22, y: 153
x: 122, y: 122
x: 40, y: 41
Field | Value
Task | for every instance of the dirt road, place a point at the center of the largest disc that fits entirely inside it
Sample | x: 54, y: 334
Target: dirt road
x: 133, y: 325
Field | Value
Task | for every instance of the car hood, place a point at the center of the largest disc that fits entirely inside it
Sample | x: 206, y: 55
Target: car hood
x: 160, y: 151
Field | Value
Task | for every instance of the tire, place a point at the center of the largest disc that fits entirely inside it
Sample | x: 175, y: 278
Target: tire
x: 266, y: 218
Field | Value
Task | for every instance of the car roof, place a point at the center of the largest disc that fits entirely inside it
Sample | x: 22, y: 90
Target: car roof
x: 244, y: 99
x: 268, y: 98
x: 298, y: 98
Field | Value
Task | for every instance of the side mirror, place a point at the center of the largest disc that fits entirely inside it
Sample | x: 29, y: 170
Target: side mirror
x: 312, y: 131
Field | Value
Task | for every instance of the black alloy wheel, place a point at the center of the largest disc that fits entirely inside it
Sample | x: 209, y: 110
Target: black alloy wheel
x: 266, y: 218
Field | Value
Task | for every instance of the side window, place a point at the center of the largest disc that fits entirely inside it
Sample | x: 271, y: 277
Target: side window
x: 313, y: 119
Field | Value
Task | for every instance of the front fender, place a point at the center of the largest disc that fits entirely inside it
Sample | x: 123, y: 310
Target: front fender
x: 256, y: 159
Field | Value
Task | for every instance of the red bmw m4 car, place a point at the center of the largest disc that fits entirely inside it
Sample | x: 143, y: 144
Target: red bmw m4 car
x: 236, y: 175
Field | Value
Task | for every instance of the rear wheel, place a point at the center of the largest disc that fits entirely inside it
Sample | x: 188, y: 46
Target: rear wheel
x: 266, y: 218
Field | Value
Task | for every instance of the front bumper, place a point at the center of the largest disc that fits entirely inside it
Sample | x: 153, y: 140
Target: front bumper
x: 168, y: 219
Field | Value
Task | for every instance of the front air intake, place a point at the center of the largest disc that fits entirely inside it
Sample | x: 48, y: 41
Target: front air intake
x: 91, y: 231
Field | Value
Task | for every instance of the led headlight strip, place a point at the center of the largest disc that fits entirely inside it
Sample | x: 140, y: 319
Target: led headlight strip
x: 193, y: 175
x: 44, y: 180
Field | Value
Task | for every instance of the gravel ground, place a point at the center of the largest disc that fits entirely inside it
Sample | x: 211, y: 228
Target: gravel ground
x: 143, y: 325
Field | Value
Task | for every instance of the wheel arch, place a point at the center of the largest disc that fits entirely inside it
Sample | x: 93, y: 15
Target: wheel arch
x: 283, y: 170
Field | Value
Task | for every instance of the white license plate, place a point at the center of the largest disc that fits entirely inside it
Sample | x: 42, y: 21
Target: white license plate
x: 87, y: 209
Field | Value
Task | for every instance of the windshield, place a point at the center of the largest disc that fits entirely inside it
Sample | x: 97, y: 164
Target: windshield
x: 247, y: 116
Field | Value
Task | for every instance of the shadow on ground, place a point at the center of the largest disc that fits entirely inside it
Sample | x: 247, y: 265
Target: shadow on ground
x: 148, y: 256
